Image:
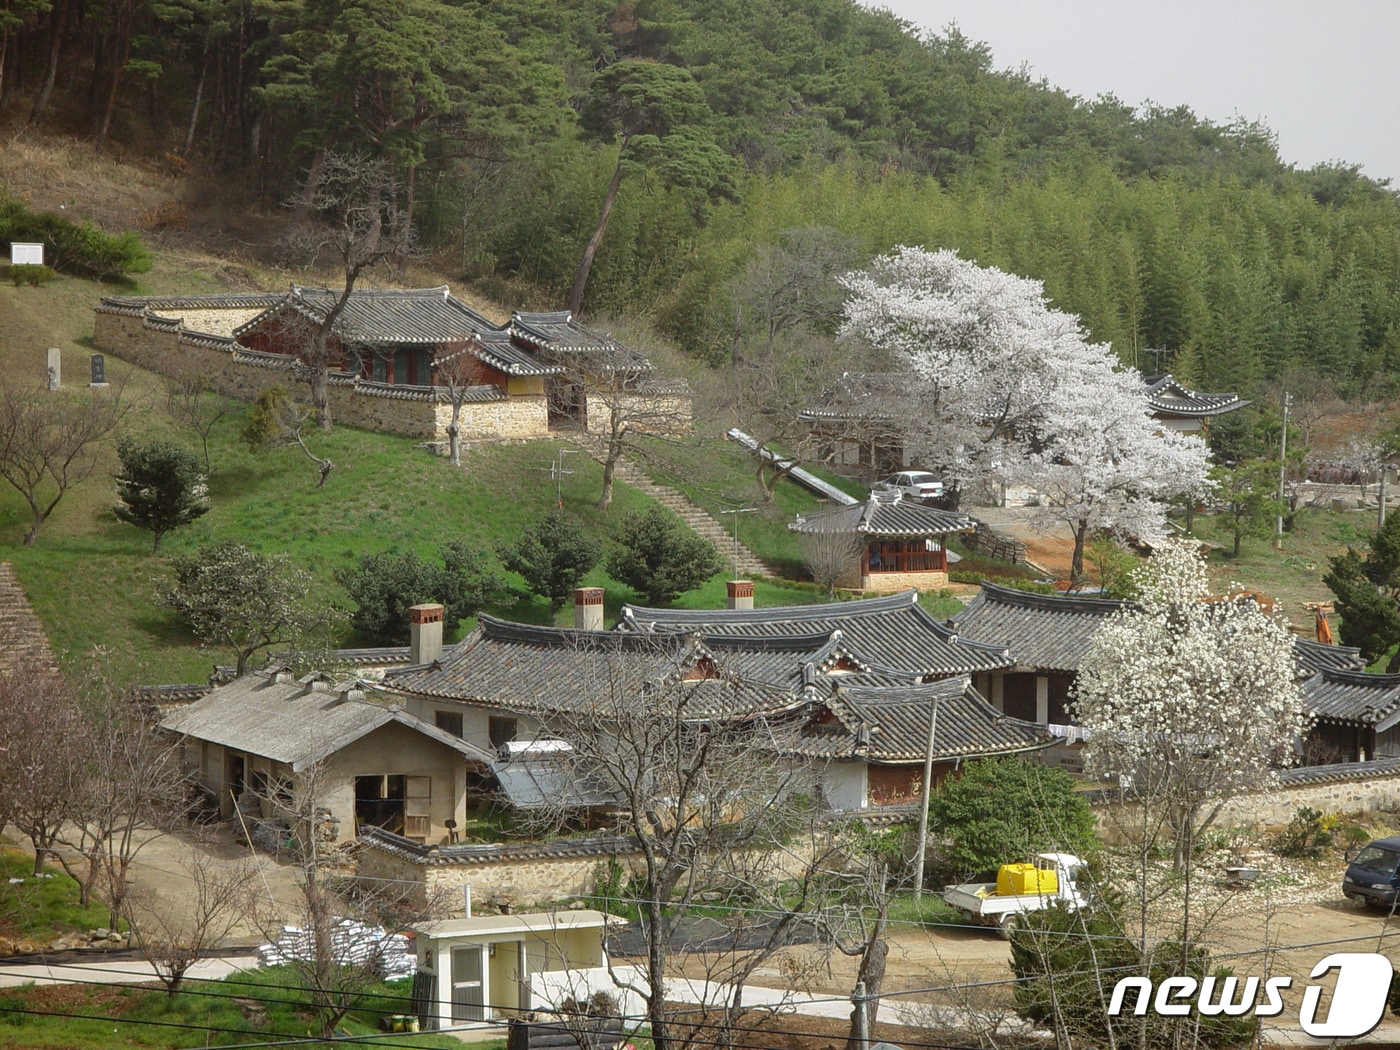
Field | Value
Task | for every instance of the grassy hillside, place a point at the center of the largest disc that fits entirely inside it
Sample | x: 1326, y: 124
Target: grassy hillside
x: 91, y: 577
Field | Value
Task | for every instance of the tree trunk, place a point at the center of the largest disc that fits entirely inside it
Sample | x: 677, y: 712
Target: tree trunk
x: 198, y: 98
x: 41, y: 103
x: 454, y: 446
x: 123, y: 53
x: 872, y: 973
x: 1076, y: 565
x: 581, y: 280
x: 656, y: 977
x: 609, y: 468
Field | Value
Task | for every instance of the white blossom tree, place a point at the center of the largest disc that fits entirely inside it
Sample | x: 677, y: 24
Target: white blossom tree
x: 1103, y: 464
x: 1003, y: 388
x: 1189, y: 700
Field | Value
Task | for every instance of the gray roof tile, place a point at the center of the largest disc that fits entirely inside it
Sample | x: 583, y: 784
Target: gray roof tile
x: 1169, y: 398
x: 883, y: 514
x: 892, y: 631
x: 378, y: 316
x: 1352, y: 696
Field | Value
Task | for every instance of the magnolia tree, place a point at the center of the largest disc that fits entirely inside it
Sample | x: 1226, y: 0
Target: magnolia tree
x: 1004, y: 388
x: 1189, y: 700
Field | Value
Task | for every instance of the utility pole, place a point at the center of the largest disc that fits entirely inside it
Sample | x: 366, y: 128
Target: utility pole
x: 1282, y: 467
x: 556, y: 471
x: 861, y: 1016
x: 736, y: 512
x: 923, y: 809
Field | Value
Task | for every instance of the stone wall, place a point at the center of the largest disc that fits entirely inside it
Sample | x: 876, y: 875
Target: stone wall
x: 1351, y: 789
x: 892, y: 581
x: 163, y: 345
x: 651, y: 414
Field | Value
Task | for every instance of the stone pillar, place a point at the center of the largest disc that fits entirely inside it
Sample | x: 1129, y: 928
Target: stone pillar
x: 99, y: 371
x: 424, y: 633
x: 588, y: 608
x: 738, y: 594
x: 1042, y: 700
x: 55, y: 368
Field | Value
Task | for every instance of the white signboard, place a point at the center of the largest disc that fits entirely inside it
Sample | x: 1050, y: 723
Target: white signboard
x: 26, y: 254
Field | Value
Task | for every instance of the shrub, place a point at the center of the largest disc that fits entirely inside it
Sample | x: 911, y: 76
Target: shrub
x: 1307, y: 834
x: 1005, y: 809
x: 658, y: 556
x: 31, y: 274
x: 553, y: 555
x: 385, y: 584
x: 77, y: 248
x: 161, y: 486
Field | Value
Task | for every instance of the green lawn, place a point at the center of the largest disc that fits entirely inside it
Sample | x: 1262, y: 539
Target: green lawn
x: 44, y: 907
x: 251, y: 1007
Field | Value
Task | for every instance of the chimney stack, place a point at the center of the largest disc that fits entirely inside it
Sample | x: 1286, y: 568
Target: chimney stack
x: 424, y: 633
x: 588, y: 608
x: 739, y: 594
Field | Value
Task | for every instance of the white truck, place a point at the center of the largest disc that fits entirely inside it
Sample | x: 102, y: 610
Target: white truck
x: 981, y: 902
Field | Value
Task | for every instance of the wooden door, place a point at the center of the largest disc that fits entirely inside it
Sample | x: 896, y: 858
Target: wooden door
x: 417, y: 807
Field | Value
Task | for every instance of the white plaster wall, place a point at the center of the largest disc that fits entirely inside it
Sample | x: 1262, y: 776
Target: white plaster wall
x: 844, y: 785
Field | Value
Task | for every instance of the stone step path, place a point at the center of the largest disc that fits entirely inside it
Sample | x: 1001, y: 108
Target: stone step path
x: 690, y: 512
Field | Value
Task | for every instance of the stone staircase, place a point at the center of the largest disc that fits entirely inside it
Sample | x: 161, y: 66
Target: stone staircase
x: 695, y: 516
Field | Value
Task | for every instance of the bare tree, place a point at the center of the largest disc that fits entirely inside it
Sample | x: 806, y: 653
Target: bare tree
x: 623, y: 401
x: 457, y: 371
x: 673, y: 747
x: 172, y: 935
x: 43, y: 747
x: 828, y: 555
x: 192, y: 404
x: 353, y: 201
x: 343, y: 923
x: 278, y: 421
x: 49, y: 443
x: 133, y: 792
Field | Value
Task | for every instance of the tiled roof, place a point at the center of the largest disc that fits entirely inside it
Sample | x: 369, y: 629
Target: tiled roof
x: 527, y: 668
x: 495, y: 853
x: 890, y: 725
x: 136, y: 304
x: 1048, y: 631
x: 294, y: 722
x: 892, y: 631
x: 497, y: 349
x: 1353, y: 696
x: 883, y: 514
x: 860, y: 396
x: 557, y: 334
x: 1341, y: 771
x: 379, y: 316
x: 1318, y: 656
x: 1167, y: 397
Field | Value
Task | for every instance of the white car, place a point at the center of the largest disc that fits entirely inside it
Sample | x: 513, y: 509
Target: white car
x: 912, y: 484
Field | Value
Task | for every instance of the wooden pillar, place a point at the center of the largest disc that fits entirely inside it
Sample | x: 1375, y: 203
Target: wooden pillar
x: 1042, y: 700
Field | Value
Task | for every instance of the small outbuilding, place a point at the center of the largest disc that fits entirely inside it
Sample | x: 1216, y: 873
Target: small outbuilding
x: 491, y: 968
x: 891, y: 543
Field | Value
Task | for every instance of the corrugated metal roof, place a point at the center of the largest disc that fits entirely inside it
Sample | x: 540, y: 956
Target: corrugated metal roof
x: 892, y: 631
x: 293, y: 722
x: 883, y: 514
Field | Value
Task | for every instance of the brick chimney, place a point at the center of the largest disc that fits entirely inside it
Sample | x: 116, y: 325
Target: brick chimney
x: 424, y: 633
x: 738, y: 594
x: 588, y: 608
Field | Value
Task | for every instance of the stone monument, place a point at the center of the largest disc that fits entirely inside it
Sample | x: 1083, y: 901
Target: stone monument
x: 99, y: 371
x: 55, y: 368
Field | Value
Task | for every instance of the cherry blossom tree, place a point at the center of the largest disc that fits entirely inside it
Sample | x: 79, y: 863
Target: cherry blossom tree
x: 1188, y: 700
x: 1005, y: 389
x: 1104, y: 465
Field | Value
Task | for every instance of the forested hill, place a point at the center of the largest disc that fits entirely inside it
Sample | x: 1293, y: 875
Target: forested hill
x: 724, y: 126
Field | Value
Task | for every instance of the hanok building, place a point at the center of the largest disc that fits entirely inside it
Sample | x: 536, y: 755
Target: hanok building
x: 1180, y: 408
x: 388, y: 349
x: 1357, y: 715
x: 794, y: 668
x: 1049, y: 635
x: 889, y: 543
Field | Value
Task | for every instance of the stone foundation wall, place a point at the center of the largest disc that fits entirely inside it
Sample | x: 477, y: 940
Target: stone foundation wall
x: 519, y: 418
x: 666, y: 414
x: 895, y: 581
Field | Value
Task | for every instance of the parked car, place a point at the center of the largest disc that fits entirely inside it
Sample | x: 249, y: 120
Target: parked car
x: 912, y: 484
x: 1372, y: 877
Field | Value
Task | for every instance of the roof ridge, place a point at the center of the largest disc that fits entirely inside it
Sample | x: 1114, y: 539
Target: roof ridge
x: 1051, y: 602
